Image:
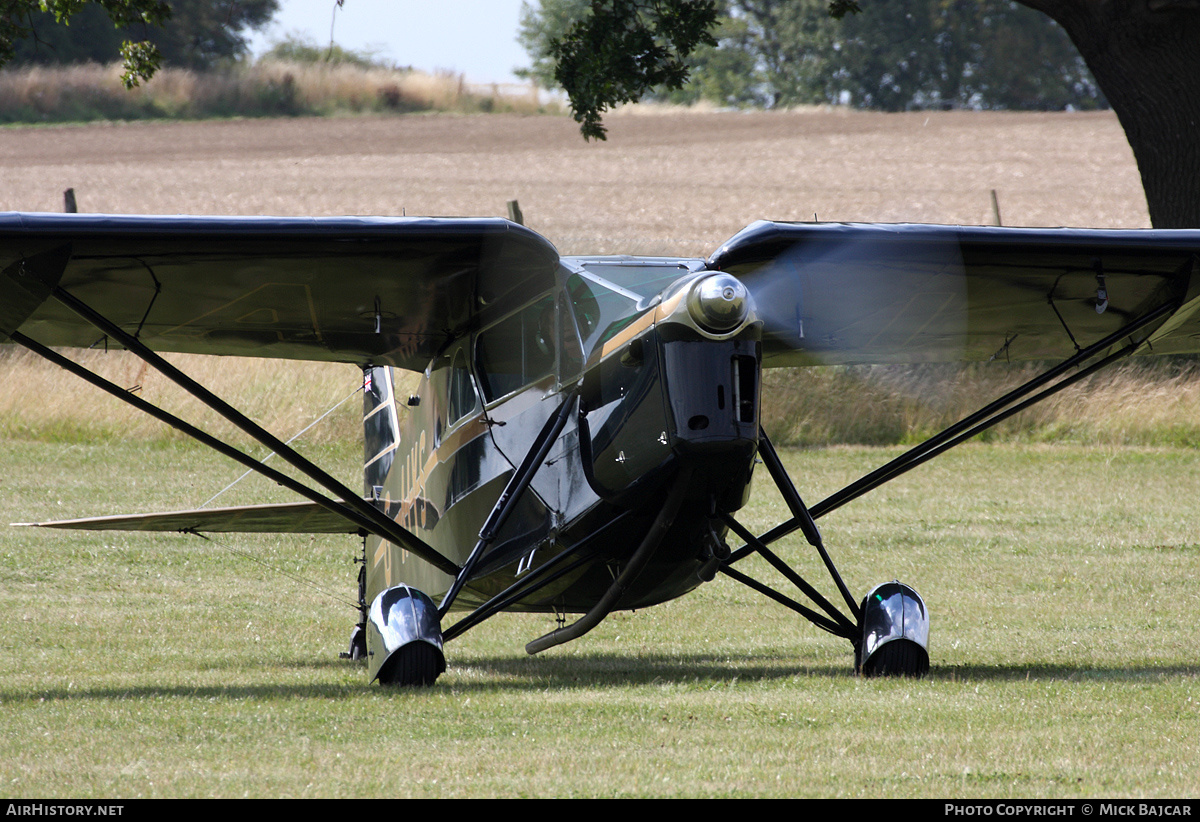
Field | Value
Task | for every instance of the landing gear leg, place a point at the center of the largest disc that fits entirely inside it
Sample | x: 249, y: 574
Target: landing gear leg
x: 358, y: 637
x: 889, y: 630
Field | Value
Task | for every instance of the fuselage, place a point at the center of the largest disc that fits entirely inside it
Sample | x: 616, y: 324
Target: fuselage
x: 661, y: 362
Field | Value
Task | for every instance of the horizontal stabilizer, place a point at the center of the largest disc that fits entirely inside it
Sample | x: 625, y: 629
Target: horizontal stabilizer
x: 285, y: 518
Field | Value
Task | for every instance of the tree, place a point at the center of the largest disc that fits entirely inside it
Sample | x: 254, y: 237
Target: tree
x: 1142, y: 53
x: 194, y: 34
x: 1145, y: 55
x: 141, y: 58
x: 916, y: 54
x: 623, y: 48
x: 202, y: 33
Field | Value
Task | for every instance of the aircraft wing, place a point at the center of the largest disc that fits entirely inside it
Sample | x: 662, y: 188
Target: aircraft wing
x: 840, y: 294
x: 349, y: 289
x: 283, y: 518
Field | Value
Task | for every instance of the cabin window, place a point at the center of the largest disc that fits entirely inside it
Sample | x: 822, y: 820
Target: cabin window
x: 460, y: 391
x: 452, y: 389
x: 570, y: 350
x: 517, y: 351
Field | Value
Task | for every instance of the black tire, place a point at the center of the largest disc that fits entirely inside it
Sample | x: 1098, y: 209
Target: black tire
x: 417, y: 664
x: 900, y: 657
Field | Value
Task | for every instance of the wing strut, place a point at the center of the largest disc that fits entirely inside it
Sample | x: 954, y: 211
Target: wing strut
x: 358, y: 510
x: 801, y: 513
x: 1001, y: 409
x: 368, y: 525
x: 510, y: 495
x: 562, y: 564
x: 840, y: 625
x: 803, y: 518
x: 381, y: 524
x: 836, y: 622
x: 1015, y: 401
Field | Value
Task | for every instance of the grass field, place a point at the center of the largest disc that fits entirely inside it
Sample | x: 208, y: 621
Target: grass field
x: 1063, y: 583
x: 1062, y: 577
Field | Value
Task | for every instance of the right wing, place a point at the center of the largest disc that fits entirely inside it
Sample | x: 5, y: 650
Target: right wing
x: 349, y: 289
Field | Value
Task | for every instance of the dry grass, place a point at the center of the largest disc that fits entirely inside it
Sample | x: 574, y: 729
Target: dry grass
x: 269, y: 88
x: 283, y: 399
x: 1146, y: 402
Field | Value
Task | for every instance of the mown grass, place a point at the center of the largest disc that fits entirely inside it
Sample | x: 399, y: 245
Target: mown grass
x: 1062, y: 579
x: 268, y: 88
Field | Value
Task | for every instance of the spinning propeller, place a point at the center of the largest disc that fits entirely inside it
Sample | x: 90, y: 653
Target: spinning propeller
x: 839, y: 294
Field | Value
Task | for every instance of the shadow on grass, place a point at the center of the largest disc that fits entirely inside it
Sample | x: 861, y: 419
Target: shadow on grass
x: 620, y: 671
x: 1060, y: 673
x: 599, y: 672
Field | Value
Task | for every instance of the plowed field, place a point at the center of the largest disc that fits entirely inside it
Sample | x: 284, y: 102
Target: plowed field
x: 664, y: 182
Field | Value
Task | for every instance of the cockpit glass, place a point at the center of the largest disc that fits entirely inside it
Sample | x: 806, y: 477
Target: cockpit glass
x: 608, y: 295
x: 600, y: 312
x: 643, y: 280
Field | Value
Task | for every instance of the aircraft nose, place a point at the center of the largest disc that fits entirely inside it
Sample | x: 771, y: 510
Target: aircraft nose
x: 719, y: 303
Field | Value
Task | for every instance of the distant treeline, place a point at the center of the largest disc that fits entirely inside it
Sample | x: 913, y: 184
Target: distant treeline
x: 918, y: 54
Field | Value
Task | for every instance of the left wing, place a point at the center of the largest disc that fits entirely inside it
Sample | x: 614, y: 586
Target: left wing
x: 840, y: 294
x: 348, y: 289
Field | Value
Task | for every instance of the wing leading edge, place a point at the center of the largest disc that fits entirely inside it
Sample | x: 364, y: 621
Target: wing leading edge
x: 385, y: 291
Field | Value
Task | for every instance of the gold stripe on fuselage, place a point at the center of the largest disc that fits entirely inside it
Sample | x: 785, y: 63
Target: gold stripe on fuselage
x: 641, y: 324
x: 450, y: 444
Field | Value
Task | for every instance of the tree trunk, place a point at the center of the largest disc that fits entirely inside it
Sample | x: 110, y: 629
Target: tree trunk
x: 1145, y: 55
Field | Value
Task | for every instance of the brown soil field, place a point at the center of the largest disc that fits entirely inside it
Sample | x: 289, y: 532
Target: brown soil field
x: 666, y: 181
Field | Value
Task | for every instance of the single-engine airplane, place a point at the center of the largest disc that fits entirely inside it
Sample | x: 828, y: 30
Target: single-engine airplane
x: 585, y: 429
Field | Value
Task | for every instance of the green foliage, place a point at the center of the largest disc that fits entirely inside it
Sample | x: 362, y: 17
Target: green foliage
x: 623, y: 48
x: 297, y: 49
x: 141, y: 60
x: 725, y: 72
x: 24, y: 21
x: 983, y: 54
x: 195, y: 34
x: 979, y: 54
x: 540, y: 28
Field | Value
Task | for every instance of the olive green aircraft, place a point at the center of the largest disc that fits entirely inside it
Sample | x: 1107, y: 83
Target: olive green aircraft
x: 586, y: 429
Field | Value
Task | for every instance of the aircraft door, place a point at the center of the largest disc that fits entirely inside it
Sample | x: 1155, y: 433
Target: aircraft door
x: 526, y: 364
